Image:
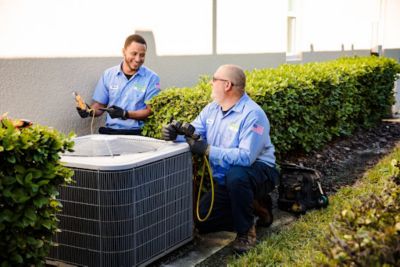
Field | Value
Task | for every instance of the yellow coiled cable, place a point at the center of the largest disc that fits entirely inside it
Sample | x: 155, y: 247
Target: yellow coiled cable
x: 200, y: 188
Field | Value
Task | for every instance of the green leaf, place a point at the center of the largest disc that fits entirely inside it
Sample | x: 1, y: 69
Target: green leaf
x: 30, y: 214
x: 41, y: 201
x: 19, y: 179
x: 16, y: 258
x: 28, y: 178
x: 6, y: 215
x: 55, y: 203
x: 47, y: 224
x: 19, y: 168
x: 19, y: 195
x: 11, y: 158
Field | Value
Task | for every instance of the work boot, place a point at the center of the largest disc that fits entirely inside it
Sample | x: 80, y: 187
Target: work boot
x: 263, y: 210
x: 244, y: 242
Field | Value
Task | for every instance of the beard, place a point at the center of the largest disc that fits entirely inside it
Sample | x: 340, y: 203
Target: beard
x: 132, y: 66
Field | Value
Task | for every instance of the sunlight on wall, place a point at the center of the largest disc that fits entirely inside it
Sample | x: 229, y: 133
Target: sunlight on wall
x: 48, y: 28
x: 391, y: 31
x: 92, y: 28
x: 252, y: 26
x: 329, y: 24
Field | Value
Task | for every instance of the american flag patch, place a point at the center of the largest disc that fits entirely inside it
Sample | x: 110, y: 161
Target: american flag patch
x: 258, y: 129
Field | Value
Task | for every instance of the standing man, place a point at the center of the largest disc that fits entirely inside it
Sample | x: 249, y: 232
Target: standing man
x: 234, y: 134
x: 125, y: 89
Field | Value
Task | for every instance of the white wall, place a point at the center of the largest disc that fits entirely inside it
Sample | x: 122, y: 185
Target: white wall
x: 391, y: 24
x: 49, y: 48
x: 94, y: 28
x: 251, y: 26
x: 329, y: 24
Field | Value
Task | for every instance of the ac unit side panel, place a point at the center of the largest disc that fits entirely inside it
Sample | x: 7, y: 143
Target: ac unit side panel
x: 126, y: 217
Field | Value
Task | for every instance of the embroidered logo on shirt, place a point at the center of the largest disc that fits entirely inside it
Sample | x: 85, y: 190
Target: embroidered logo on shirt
x: 233, y: 127
x: 114, y: 86
x: 258, y: 129
x: 139, y: 87
x: 209, y: 121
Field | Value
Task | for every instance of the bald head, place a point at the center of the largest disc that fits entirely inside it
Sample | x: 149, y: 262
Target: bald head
x: 234, y: 74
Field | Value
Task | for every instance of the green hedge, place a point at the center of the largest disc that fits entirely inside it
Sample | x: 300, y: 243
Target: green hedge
x: 30, y: 173
x: 307, y: 105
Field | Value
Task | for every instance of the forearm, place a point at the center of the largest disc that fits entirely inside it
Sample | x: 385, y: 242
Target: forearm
x: 141, y: 114
x: 96, y: 107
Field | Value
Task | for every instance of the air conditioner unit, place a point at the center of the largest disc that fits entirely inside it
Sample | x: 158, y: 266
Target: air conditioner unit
x: 131, y: 202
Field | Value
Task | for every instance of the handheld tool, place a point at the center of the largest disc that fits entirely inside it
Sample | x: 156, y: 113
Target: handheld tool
x: 80, y: 103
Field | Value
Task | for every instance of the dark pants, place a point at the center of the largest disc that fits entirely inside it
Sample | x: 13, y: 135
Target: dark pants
x: 106, y: 130
x: 233, y: 202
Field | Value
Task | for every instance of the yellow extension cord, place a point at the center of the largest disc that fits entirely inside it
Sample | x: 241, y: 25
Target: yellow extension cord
x: 93, y: 115
x: 201, y: 187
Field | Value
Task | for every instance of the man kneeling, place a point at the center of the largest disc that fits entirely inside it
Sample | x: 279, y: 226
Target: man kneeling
x: 234, y: 133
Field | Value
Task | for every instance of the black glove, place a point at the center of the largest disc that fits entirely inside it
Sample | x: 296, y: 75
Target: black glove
x: 84, y: 112
x: 169, y: 132
x: 117, y: 112
x: 198, y: 147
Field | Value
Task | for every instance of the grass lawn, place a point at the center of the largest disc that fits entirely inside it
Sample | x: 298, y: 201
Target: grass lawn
x: 301, y: 243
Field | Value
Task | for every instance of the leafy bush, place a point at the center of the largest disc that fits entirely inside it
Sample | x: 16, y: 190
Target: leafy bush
x: 307, y: 105
x: 30, y: 173
x: 367, y: 233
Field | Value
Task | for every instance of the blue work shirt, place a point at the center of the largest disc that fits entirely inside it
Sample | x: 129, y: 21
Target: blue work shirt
x: 114, y: 88
x: 238, y: 138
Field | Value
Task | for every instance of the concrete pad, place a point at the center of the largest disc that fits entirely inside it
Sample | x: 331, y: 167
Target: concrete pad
x: 209, y: 245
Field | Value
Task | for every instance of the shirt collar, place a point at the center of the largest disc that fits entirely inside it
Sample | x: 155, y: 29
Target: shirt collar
x: 139, y: 72
x: 239, y: 106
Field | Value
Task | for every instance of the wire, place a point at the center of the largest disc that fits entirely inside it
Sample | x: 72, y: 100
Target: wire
x: 201, y: 187
x: 93, y: 115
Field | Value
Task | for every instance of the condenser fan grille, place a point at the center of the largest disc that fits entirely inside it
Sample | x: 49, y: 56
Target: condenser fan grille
x: 109, y: 146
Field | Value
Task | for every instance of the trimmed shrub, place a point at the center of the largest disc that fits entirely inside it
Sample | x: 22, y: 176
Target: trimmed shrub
x: 30, y: 172
x: 307, y: 105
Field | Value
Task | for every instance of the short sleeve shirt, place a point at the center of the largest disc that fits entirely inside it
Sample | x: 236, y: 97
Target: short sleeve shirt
x: 236, y: 138
x: 113, y: 88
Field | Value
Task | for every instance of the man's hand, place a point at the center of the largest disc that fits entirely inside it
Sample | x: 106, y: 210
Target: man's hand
x: 117, y: 112
x: 198, y: 147
x: 84, y: 112
x: 169, y: 132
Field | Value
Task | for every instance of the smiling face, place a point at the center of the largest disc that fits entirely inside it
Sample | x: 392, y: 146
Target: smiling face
x: 134, y: 55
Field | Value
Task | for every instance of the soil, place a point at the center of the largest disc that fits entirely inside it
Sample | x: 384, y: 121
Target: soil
x: 344, y: 160
x: 341, y: 162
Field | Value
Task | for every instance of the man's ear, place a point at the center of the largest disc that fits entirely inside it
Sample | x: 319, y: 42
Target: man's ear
x: 228, y: 86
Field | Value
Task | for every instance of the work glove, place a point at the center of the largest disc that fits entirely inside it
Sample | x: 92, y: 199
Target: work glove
x: 198, y: 146
x: 117, y: 112
x: 169, y: 132
x: 84, y: 112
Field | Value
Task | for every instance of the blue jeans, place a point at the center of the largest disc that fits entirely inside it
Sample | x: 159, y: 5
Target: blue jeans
x: 233, y: 202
